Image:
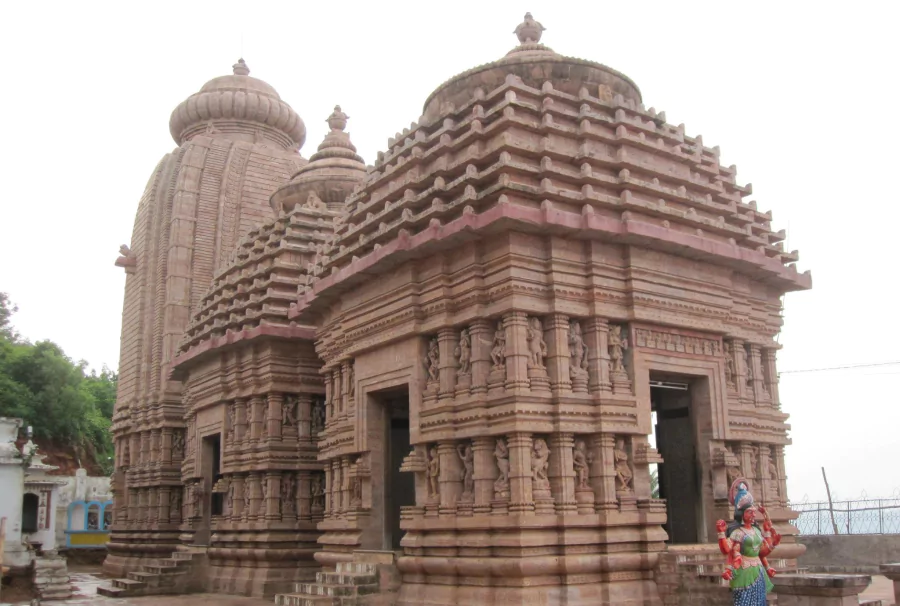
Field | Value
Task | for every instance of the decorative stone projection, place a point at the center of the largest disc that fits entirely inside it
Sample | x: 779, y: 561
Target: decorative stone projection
x: 456, y: 354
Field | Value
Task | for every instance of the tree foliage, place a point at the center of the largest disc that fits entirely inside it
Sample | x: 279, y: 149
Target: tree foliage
x: 54, y: 395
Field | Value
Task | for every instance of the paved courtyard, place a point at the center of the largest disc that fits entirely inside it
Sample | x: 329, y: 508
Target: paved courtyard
x: 86, y: 588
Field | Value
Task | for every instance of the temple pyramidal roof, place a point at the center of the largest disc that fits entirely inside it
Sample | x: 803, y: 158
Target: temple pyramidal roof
x: 534, y: 141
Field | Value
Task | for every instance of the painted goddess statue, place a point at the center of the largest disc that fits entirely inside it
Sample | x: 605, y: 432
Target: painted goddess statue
x: 746, y: 547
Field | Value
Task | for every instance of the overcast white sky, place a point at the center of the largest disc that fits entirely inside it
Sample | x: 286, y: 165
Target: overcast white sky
x: 800, y: 95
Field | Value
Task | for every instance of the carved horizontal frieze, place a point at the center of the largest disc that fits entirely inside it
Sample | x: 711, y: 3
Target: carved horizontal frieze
x: 647, y: 338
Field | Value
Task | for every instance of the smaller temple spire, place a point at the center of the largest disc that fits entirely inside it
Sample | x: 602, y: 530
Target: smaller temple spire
x: 240, y: 68
x: 529, y: 31
x: 338, y: 119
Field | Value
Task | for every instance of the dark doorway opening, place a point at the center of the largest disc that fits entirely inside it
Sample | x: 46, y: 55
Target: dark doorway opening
x: 400, y: 489
x: 212, y: 446
x: 678, y: 475
x: 30, y: 513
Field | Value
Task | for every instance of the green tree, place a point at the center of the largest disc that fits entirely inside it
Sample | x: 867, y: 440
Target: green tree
x: 54, y: 395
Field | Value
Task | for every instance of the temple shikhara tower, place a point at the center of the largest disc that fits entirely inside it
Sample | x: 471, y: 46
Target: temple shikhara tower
x: 461, y: 364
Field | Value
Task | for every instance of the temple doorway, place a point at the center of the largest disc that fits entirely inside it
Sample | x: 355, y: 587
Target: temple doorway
x: 675, y: 414
x: 211, y: 470
x: 400, y: 488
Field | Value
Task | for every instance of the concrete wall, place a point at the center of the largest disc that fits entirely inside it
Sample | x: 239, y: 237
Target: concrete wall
x: 861, y: 553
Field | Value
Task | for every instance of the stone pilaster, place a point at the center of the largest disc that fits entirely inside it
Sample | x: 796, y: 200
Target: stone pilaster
x: 450, y: 479
x: 273, y: 495
x: 337, y: 485
x: 345, y: 483
x: 760, y: 395
x: 516, y: 325
x: 556, y: 335
x: 162, y: 504
x: 603, y: 471
x: 521, y: 499
x: 237, y: 507
x: 329, y: 482
x: 257, y: 412
x: 448, y: 339
x: 742, y: 369
x: 240, y: 415
x: 770, y: 376
x: 329, y: 391
x: 304, y: 496
x: 337, y: 393
x: 304, y: 419
x: 256, y: 497
x: 482, y: 333
x: 485, y: 473
x: 562, y: 470
x: 345, y: 386
x: 596, y: 335
x: 274, y: 400
x: 166, y: 439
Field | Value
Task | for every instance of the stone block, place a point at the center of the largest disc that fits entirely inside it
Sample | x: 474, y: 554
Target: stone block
x: 820, y: 589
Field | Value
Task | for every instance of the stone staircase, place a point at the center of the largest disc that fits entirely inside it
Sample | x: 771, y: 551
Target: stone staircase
x: 170, y: 575
x: 371, y: 579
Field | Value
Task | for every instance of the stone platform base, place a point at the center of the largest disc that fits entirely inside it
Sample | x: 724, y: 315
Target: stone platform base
x: 618, y: 593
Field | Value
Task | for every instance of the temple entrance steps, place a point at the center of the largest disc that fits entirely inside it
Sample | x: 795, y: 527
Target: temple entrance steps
x: 370, y: 579
x: 691, y: 575
x: 166, y: 576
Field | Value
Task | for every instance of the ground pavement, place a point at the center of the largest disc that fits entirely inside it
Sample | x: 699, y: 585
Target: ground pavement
x: 85, y: 584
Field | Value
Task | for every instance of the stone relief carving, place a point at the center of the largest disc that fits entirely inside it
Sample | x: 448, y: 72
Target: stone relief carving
x: 498, y: 347
x: 668, y: 341
x: 318, y: 416
x: 581, y: 460
x: 467, y: 456
x: 434, y: 472
x: 744, y: 352
x: 540, y: 463
x: 617, y: 345
x: 289, y: 411
x: 624, y: 475
x: 317, y: 491
x: 229, y: 500
x: 463, y: 353
x: 537, y: 347
x: 178, y: 445
x: 578, y: 359
x: 288, y: 494
x: 351, y: 380
x: 730, y: 371
x: 501, y: 454
x: 175, y: 499
x: 356, y: 491
x: 246, y: 494
x: 433, y: 360
x: 732, y: 472
x: 232, y: 422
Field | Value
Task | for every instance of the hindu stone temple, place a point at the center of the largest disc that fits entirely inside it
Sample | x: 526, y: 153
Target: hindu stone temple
x: 464, y: 361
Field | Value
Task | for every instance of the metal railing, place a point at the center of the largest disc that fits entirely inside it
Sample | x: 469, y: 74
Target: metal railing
x: 858, y: 516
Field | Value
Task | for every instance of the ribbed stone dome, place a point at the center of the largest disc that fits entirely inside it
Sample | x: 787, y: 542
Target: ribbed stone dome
x: 535, y: 64
x: 331, y: 175
x: 238, y: 103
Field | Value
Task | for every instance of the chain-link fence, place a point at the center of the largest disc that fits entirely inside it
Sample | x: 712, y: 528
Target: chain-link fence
x: 859, y: 516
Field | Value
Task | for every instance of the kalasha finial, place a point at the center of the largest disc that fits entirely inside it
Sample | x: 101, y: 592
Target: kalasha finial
x: 338, y: 119
x: 240, y: 68
x: 529, y: 31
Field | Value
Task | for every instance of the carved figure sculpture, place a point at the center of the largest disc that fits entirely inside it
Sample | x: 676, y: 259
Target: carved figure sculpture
x: 730, y: 371
x: 288, y: 493
x: 498, y: 348
x: 351, y: 381
x: 746, y: 546
x: 229, y: 500
x: 537, y: 347
x: 623, y: 467
x: 540, y: 463
x: 288, y: 411
x: 434, y: 471
x: 617, y: 345
x: 318, y: 416
x: 175, y: 504
x: 247, y: 494
x: 232, y: 421
x: 467, y: 456
x: 432, y: 360
x: 501, y: 454
x: 581, y: 460
x: 356, y: 491
x: 317, y: 491
x: 463, y: 352
x: 178, y: 445
x: 578, y: 364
